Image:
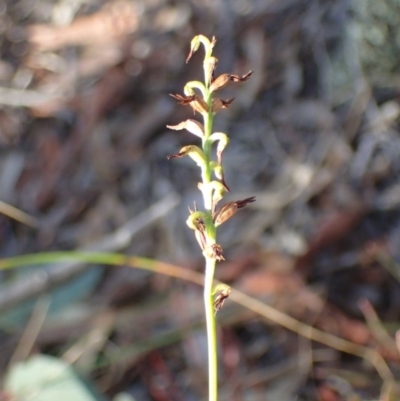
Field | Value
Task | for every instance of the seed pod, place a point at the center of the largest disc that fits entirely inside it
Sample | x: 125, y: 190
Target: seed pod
x: 193, y: 126
x: 228, y: 210
x: 218, y: 104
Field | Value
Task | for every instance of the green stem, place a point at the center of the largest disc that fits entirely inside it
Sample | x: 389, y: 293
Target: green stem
x: 207, y: 195
x: 210, y: 263
x: 211, y: 330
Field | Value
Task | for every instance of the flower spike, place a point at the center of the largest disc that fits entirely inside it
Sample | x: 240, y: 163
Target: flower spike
x: 200, y: 97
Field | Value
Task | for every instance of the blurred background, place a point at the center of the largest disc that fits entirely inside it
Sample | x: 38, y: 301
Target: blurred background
x: 84, y: 104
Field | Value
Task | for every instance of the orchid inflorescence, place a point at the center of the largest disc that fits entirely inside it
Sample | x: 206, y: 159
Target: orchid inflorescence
x: 200, y: 96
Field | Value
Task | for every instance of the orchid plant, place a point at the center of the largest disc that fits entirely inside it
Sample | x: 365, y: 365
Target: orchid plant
x: 201, y: 97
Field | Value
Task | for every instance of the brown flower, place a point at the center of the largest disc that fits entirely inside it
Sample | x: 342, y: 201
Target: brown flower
x: 218, y: 104
x: 220, y: 299
x: 195, y: 101
x: 214, y: 251
x: 223, y: 80
x: 228, y: 210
